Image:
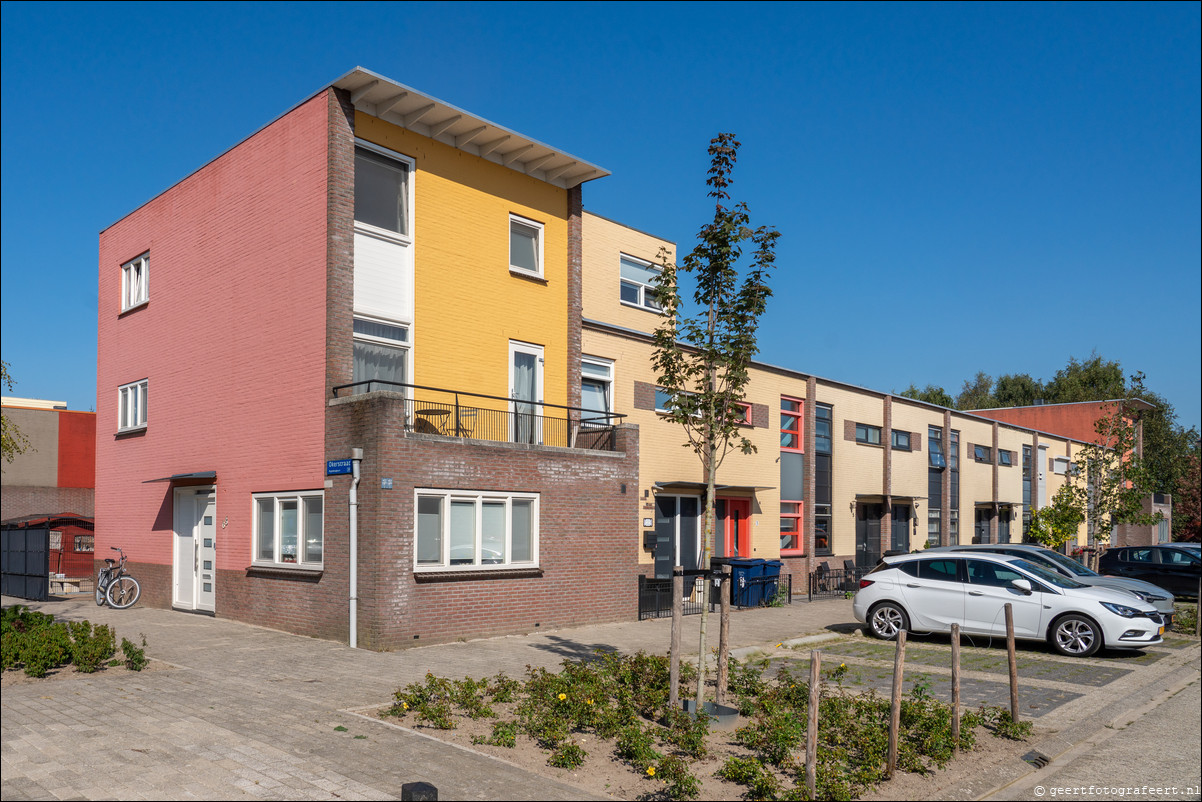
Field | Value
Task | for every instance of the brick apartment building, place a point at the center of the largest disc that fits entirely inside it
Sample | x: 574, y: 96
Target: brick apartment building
x: 379, y: 270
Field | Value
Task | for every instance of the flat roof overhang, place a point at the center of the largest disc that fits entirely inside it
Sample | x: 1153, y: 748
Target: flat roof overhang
x: 185, y: 477
x: 373, y: 94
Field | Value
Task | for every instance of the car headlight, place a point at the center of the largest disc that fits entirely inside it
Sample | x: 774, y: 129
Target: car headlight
x: 1118, y: 609
x: 1148, y: 597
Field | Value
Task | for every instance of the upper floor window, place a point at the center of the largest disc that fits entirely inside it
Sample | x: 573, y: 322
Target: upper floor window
x: 1005, y: 458
x: 381, y: 191
x: 868, y: 434
x: 790, y: 423
x: 135, y: 282
x: 597, y: 388
x: 288, y: 529
x: 901, y: 440
x: 1060, y: 465
x: 935, y: 447
x: 131, y: 405
x: 525, y: 246
x: 823, y: 423
x: 982, y: 453
x: 637, y: 277
x: 380, y: 353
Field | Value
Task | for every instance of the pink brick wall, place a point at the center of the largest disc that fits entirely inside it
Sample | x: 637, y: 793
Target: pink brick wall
x: 232, y: 340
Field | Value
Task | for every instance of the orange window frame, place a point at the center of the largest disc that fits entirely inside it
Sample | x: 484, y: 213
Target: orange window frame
x: 792, y: 438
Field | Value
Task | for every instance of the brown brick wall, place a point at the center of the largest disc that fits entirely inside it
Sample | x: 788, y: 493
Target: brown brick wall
x: 18, y: 502
x: 644, y: 395
x: 575, y: 292
x: 588, y: 567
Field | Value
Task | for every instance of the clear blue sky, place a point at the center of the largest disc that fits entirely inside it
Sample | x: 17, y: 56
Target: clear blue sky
x: 958, y: 188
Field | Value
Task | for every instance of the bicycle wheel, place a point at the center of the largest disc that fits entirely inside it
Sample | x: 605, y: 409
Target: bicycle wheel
x: 124, y: 592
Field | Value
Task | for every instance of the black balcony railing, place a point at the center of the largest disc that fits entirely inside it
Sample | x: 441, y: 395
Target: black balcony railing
x: 475, y: 416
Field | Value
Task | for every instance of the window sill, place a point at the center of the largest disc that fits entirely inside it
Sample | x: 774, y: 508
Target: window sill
x: 130, y: 432
x: 870, y: 445
x: 459, y: 575
x: 641, y: 308
x: 134, y: 308
x: 535, y: 277
x: 285, y: 572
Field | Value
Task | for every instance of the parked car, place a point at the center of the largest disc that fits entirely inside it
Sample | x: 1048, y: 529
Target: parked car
x: 1172, y: 567
x: 1159, y: 598
x: 929, y: 592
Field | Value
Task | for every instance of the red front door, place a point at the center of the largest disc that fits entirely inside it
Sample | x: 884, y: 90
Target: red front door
x: 734, y: 531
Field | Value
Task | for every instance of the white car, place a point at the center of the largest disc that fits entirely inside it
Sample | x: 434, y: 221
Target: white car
x: 931, y: 591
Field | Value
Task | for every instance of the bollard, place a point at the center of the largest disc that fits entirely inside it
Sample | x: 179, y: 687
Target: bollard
x: 955, y: 688
x: 1013, y: 663
x: 419, y: 792
x: 899, y: 670
x: 812, y: 724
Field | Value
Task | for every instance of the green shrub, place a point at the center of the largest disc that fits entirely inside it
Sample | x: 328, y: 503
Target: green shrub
x: 135, y: 658
x: 568, y: 755
x: 91, y: 646
x: 44, y: 648
x: 504, y: 733
x: 1185, y: 619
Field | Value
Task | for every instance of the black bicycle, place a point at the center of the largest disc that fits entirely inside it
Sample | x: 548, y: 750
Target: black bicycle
x: 115, y: 586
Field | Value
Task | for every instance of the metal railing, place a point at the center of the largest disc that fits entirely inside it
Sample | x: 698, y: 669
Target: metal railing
x: 655, y: 595
x: 455, y: 413
x: 832, y: 583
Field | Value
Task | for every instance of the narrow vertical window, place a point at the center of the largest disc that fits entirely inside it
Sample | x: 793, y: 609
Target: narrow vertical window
x: 135, y: 282
x: 132, y: 405
x: 525, y: 246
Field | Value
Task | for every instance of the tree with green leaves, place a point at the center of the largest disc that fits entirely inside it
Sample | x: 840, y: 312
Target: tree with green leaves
x: 12, y: 441
x: 977, y: 394
x: 1058, y: 522
x: 702, y: 359
x: 931, y: 394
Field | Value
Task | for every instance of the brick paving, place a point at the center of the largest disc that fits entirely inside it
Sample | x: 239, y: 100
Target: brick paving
x: 249, y: 712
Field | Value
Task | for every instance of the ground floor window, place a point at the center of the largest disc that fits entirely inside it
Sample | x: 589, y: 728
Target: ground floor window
x: 791, y: 526
x: 466, y: 530
x: 289, y: 528
x: 822, y: 529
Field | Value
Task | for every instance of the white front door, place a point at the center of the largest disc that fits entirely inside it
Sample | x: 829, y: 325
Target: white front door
x: 1041, y: 465
x: 526, y: 392
x: 195, y: 558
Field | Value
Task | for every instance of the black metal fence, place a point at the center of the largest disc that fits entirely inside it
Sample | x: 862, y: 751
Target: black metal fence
x: 451, y: 413
x: 655, y: 595
x: 25, y: 563
x: 826, y: 583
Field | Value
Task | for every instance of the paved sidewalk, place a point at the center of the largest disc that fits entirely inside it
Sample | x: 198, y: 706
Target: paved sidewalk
x: 251, y: 712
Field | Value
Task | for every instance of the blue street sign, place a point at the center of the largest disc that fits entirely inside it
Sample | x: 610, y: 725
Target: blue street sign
x: 334, y: 467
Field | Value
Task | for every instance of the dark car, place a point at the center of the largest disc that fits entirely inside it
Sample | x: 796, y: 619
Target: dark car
x: 1173, y: 568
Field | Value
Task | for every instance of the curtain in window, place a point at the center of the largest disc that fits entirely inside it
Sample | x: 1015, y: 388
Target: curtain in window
x: 524, y: 390
x: 378, y: 362
x: 288, y: 531
x: 463, y: 532
x: 429, y: 530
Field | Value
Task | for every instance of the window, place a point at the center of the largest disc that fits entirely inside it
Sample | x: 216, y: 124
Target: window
x: 131, y: 406
x: 934, y: 526
x: 288, y: 529
x: 792, y: 475
x: 56, y: 539
x: 1005, y: 458
x: 470, y: 531
x: 525, y: 246
x: 135, y: 282
x: 982, y: 453
x: 85, y: 543
x: 823, y: 443
x: 900, y: 440
x: 663, y: 400
x: 381, y: 191
x: 935, y: 458
x: 1060, y: 465
x: 868, y: 434
x: 596, y: 389
x: 1162, y: 531
x: 637, y: 279
x: 380, y: 353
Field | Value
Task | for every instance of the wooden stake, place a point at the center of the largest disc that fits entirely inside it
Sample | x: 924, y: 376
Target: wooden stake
x: 677, y: 619
x: 955, y: 688
x: 812, y: 725
x: 1013, y: 663
x: 723, y: 635
x: 899, y: 667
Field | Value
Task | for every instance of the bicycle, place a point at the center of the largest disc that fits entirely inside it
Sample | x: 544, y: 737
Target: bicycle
x: 115, y: 586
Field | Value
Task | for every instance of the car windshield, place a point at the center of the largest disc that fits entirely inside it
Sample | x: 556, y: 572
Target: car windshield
x: 1044, y: 575
x: 1067, y: 563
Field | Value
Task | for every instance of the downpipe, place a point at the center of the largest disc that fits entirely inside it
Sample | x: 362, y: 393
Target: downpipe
x: 356, y: 458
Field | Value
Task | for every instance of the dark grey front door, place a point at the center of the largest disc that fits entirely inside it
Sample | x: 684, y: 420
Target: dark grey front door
x: 868, y: 535
x: 901, y: 528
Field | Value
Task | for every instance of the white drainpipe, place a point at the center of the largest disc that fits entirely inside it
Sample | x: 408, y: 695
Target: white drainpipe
x: 356, y: 458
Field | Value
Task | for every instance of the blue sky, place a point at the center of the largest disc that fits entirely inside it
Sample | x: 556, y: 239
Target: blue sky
x: 957, y: 187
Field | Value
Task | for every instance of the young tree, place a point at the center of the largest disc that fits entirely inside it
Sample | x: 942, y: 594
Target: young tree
x: 931, y: 394
x: 1058, y: 522
x: 12, y: 442
x: 977, y: 394
x: 702, y: 360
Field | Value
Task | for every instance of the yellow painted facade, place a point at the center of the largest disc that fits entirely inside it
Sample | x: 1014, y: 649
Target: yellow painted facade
x: 468, y: 306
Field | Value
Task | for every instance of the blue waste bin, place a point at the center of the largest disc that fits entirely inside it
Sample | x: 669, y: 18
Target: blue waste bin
x: 746, y: 588
x: 771, y: 579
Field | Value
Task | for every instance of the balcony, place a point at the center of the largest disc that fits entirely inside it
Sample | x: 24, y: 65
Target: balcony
x: 474, y: 416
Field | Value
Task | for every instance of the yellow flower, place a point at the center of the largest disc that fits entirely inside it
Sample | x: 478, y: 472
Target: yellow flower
x: 590, y: 701
x: 651, y: 771
x: 843, y: 665
x: 563, y: 696
x: 406, y: 704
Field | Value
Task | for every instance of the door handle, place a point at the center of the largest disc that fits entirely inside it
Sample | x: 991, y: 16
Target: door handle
x: 913, y: 585
x: 975, y: 593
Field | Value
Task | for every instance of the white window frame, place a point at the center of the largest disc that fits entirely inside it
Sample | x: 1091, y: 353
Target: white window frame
x: 135, y: 282
x: 538, y: 245
x: 131, y: 406
x: 477, y: 497
x: 645, y: 302
x: 610, y: 383
x: 278, y: 561
x: 1061, y: 465
x: 385, y: 233
x: 406, y: 345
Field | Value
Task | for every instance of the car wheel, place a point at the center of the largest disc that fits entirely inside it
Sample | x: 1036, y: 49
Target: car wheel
x: 1076, y: 636
x: 886, y: 620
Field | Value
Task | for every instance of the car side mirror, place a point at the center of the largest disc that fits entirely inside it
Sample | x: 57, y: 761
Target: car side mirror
x: 1022, y: 585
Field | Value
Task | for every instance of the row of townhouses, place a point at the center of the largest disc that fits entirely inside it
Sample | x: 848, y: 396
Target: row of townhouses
x: 381, y: 275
